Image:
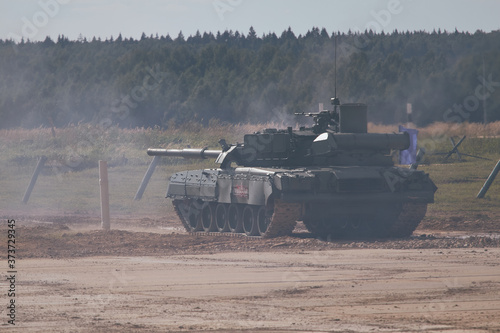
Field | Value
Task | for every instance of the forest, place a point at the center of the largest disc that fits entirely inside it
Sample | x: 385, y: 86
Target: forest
x: 236, y: 78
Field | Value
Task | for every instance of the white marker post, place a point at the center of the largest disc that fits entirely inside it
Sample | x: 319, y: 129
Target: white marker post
x: 103, y: 184
x: 409, y: 111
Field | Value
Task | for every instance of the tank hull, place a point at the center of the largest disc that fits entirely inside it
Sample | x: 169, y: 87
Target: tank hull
x: 336, y: 202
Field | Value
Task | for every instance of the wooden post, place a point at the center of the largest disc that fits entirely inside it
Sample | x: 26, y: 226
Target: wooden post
x: 103, y: 184
x: 147, y: 177
x: 34, y: 177
x: 489, y: 181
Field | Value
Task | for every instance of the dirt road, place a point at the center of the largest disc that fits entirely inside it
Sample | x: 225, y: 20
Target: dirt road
x: 338, y: 290
x: 150, y: 276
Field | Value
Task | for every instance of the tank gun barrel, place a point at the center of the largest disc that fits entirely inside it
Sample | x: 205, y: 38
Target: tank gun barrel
x: 199, y: 153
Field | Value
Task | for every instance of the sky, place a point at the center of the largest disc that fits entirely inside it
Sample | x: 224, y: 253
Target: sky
x: 37, y: 19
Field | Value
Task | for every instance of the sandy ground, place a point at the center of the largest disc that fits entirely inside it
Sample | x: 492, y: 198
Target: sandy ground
x: 73, y: 278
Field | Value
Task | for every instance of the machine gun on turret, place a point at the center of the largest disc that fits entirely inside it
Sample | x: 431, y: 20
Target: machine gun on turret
x: 325, y: 119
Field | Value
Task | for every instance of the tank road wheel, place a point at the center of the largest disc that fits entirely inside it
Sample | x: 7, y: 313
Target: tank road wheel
x: 317, y: 221
x: 360, y: 228
x: 208, y: 218
x: 234, y: 221
x: 263, y: 219
x: 319, y: 226
x: 221, y: 218
x: 250, y: 225
x: 194, y: 216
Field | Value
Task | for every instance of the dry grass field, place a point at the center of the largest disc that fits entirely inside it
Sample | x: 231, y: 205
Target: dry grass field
x: 68, y: 183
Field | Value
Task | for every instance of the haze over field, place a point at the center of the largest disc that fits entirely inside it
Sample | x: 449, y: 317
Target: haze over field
x: 240, y: 77
x: 136, y: 63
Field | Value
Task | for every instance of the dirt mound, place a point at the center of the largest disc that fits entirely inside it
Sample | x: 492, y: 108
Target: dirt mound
x: 61, y: 241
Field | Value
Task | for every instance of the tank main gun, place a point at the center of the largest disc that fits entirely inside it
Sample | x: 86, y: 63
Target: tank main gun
x: 200, y: 153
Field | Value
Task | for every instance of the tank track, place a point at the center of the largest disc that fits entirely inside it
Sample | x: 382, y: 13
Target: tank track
x: 282, y: 222
x: 286, y: 215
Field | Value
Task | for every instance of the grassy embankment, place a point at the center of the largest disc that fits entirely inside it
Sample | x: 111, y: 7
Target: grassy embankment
x: 63, y: 190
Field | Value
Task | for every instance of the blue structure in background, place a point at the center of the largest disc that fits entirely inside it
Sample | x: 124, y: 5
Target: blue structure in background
x: 409, y: 156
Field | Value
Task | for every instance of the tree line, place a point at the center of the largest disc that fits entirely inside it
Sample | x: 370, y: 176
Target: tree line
x: 237, y: 77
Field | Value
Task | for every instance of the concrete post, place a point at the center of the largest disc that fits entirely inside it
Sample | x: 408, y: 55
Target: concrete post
x: 146, y: 178
x: 34, y: 177
x: 489, y: 181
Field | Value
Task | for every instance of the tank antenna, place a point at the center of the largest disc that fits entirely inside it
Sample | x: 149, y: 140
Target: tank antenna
x: 335, y: 69
x: 335, y: 101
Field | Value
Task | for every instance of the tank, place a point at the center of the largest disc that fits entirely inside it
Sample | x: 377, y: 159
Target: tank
x: 334, y: 176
